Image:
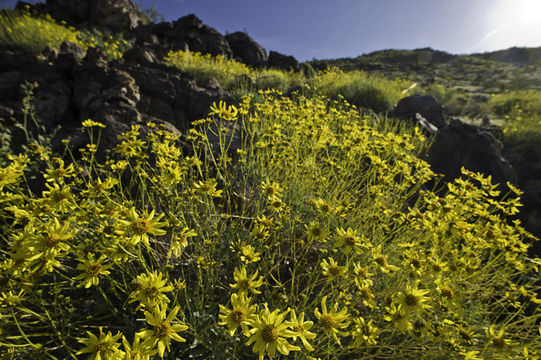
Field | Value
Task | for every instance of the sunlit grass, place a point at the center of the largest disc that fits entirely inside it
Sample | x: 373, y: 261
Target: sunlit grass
x: 33, y: 33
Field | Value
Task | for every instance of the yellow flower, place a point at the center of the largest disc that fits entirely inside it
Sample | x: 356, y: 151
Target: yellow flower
x: 92, y: 270
x: 104, y: 347
x: 412, y: 300
x: 332, y: 321
x: 364, y: 332
x: 59, y: 173
x: 139, y: 227
x: 316, y: 231
x: 398, y: 317
x: 245, y: 283
x: 208, y: 188
x: 150, y: 290
x: 137, y: 351
x: 350, y: 240
x: 58, y: 198
x: 90, y: 123
x: 9, y: 300
x: 301, y: 329
x: 249, y: 255
x: 271, y: 188
x: 53, y: 241
x: 270, y: 334
x: 332, y: 270
x: 498, y: 339
x: 223, y: 111
x: 180, y: 241
x: 164, y: 331
x: 242, y: 313
x: 323, y: 207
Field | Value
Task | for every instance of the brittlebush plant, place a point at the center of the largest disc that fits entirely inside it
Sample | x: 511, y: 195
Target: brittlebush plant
x: 33, y: 33
x: 283, y: 228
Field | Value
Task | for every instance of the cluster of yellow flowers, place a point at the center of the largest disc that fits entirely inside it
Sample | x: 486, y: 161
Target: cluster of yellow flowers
x: 312, y: 235
x: 34, y: 32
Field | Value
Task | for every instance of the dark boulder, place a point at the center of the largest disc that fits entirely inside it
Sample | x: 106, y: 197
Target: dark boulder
x: 112, y: 15
x: 283, y: 62
x: 70, y: 55
x: 425, y: 105
x: 190, y: 30
x: 461, y: 145
x: 117, y: 15
x: 246, y: 49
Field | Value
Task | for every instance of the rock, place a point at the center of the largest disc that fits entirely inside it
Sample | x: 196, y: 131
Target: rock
x: 71, y: 11
x: 111, y: 15
x: 201, y: 38
x: 9, y: 83
x: 50, y: 53
x: 70, y: 55
x: 246, y: 49
x: 426, y: 125
x: 117, y: 15
x: 284, y: 62
x: 425, y: 105
x: 460, y: 144
x: 140, y: 55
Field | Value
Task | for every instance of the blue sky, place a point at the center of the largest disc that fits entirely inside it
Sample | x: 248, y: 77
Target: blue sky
x: 326, y: 29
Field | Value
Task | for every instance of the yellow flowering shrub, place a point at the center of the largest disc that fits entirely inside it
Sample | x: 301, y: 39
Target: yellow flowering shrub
x: 33, y: 33
x: 312, y: 233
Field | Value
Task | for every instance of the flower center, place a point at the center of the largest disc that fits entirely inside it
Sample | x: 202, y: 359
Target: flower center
x: 59, y: 196
x: 327, y: 321
x: 52, y: 240
x: 366, y: 293
x: 499, y: 342
x: 447, y: 292
x: 350, y: 240
x: 411, y: 300
x: 381, y: 260
x: 269, y: 333
x: 93, y: 269
x: 245, y: 283
x: 316, y: 232
x: 162, y: 329
x: 238, y: 314
x: 151, y: 291
x: 109, y: 229
x: 334, y: 270
x: 141, y: 226
x: 102, y: 347
x: 204, y: 188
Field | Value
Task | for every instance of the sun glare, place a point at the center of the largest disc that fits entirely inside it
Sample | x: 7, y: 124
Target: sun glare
x: 512, y: 23
x: 528, y: 11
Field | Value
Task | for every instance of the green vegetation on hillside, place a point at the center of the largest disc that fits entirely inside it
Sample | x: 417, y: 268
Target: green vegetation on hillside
x: 33, y: 33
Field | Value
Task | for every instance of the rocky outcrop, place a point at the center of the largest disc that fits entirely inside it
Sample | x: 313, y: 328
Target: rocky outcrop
x: 117, y: 15
x: 188, y: 32
x: 456, y: 145
x: 111, y: 15
x: 283, y: 62
x: 425, y: 105
x: 72, y: 89
x: 246, y: 50
x: 459, y: 144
